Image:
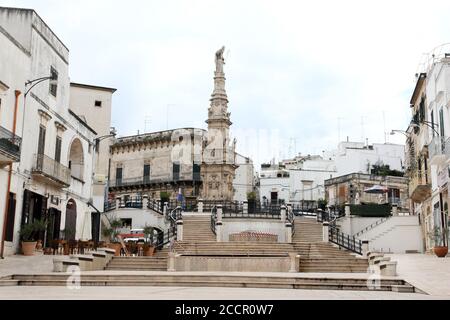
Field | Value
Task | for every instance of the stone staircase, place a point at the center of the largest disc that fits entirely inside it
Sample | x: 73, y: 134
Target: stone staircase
x: 317, y: 256
x: 165, y: 279
x: 158, y: 262
x: 197, y: 228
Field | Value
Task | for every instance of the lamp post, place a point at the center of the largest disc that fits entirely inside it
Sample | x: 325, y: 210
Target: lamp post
x: 34, y: 83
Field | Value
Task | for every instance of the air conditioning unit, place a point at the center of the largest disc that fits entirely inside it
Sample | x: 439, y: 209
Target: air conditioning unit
x: 99, y: 178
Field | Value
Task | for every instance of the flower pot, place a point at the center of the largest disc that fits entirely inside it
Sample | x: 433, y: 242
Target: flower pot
x: 149, y: 251
x: 441, y: 252
x: 117, y: 247
x: 28, y: 248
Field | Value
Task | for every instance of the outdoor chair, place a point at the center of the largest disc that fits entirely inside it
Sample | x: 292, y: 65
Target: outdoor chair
x: 73, y: 246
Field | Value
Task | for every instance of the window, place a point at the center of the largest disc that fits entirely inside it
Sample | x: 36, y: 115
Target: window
x: 146, y: 173
x: 441, y: 122
x: 41, y: 142
x: 196, y: 172
x: 118, y: 176
x: 58, y: 149
x: 9, y: 234
x: 176, y: 171
x: 53, y: 82
x: 98, y: 103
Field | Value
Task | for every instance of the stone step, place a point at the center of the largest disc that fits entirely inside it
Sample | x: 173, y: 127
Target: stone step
x: 8, y: 283
x: 327, y: 283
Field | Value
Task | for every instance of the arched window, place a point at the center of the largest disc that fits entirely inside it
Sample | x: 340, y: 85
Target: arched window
x: 76, y: 160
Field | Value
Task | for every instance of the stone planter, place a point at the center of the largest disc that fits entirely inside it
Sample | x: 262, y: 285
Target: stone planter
x: 441, y: 252
x: 28, y: 248
x: 116, y: 247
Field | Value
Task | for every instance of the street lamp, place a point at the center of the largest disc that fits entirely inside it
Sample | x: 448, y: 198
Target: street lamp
x: 427, y: 123
x: 407, y: 134
x: 35, y: 82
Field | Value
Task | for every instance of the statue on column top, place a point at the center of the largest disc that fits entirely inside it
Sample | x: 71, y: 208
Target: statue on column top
x: 220, y: 60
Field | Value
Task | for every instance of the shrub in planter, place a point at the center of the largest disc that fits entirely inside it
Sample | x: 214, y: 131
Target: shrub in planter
x: 149, y: 248
x: 29, y: 235
x: 439, y: 237
x: 371, y: 210
x: 251, y: 198
x: 111, y: 235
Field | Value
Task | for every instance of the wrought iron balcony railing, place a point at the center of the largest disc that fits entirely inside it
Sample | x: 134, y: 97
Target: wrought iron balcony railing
x: 52, y: 170
x: 9, y: 146
x: 131, y: 182
x: 439, y: 148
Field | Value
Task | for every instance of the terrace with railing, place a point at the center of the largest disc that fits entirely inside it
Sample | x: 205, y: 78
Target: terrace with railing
x: 9, y: 146
x: 51, y: 170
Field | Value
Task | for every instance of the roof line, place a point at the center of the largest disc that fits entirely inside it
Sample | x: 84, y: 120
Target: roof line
x: 88, y: 86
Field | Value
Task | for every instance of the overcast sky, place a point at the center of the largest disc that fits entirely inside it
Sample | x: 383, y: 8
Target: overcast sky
x: 309, y: 73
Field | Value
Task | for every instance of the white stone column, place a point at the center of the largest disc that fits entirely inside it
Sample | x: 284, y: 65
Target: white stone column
x: 289, y: 207
x: 171, y: 262
x: 166, y: 208
x: 219, y: 213
x: 288, y: 232
x: 219, y: 231
x: 158, y: 202
x: 283, y: 213
x: 245, y: 207
x: 347, y: 210
x: 395, y: 209
x: 145, y: 201
x: 295, y: 262
x: 325, y: 232
x: 365, y: 248
x: 200, y: 206
x: 118, y: 200
x: 180, y: 230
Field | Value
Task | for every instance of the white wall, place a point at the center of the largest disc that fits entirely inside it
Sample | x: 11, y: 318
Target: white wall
x: 396, y: 235
x: 232, y: 226
x: 243, y: 182
x: 140, y: 218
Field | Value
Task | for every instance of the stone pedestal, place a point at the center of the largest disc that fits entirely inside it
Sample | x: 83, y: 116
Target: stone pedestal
x: 180, y: 230
x: 200, y: 206
x: 145, y: 201
x: 347, y: 210
x: 395, y: 210
x: 118, y: 201
x: 219, y: 212
x: 326, y: 232
x: 219, y: 231
x: 283, y: 213
x: 288, y: 232
x: 365, y: 248
x: 245, y: 207
x: 171, y: 262
x: 295, y: 262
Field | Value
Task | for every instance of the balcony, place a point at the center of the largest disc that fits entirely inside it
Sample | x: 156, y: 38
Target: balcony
x: 143, y: 182
x: 439, y: 150
x: 9, y: 147
x: 419, y: 186
x: 51, y: 171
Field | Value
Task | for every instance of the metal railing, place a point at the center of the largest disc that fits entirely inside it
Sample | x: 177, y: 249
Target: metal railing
x: 52, y: 169
x: 439, y: 146
x: 10, y: 143
x: 213, y: 219
x: 146, y: 180
x: 291, y: 218
x: 109, y: 205
x: 345, y: 241
x: 156, y: 206
x: 132, y: 202
x: 373, y: 225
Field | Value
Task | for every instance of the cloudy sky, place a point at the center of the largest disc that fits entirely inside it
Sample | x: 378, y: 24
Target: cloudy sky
x: 300, y: 75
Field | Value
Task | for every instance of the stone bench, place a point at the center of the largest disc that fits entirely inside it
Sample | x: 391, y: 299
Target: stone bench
x: 388, y: 268
x: 86, y: 262
x: 61, y: 265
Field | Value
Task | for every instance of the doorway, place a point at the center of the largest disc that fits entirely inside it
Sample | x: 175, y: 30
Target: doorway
x: 274, y: 197
x: 54, y: 226
x: 71, y: 220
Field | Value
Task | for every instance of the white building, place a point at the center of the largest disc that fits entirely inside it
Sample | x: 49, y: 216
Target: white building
x: 244, y: 180
x: 50, y: 174
x: 302, y: 178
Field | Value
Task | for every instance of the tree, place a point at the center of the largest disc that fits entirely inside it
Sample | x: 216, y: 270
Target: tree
x: 380, y: 169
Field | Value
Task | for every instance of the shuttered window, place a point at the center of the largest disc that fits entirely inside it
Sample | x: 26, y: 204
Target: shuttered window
x: 58, y: 149
x: 41, y: 142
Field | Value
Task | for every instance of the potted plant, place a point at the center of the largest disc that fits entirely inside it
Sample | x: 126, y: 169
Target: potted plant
x: 437, y: 236
x: 111, y: 235
x: 149, y: 248
x: 251, y: 198
x: 322, y: 204
x: 29, y: 234
x: 165, y: 197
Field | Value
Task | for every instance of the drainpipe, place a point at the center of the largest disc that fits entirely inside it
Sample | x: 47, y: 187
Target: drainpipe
x: 5, y: 217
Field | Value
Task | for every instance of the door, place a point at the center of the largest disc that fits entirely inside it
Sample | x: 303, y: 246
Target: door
x: 71, y: 220
x: 95, y: 223
x: 274, y: 197
x: 118, y: 177
x: 54, y: 226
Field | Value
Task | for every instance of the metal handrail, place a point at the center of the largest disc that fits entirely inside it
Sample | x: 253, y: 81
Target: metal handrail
x: 213, y: 219
x: 373, y: 225
x: 343, y: 240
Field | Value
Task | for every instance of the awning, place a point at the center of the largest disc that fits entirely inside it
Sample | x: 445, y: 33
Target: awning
x: 377, y: 189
